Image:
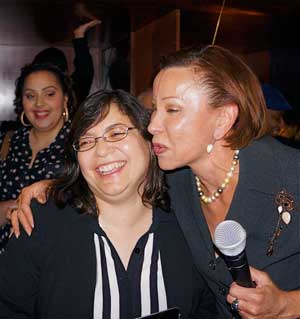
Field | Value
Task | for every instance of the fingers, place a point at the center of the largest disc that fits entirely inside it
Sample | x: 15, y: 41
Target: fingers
x: 24, y: 201
x: 14, y: 224
x: 82, y: 29
x: 17, y: 217
x: 23, y: 212
x: 24, y: 209
x: 42, y: 198
x: 264, y: 301
x: 247, y: 308
x: 13, y: 204
x: 92, y: 24
x: 87, y: 26
x: 27, y: 221
x: 261, y: 278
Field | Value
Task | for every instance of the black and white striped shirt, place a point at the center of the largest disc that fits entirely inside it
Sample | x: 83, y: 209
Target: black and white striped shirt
x: 144, y: 274
x: 70, y: 269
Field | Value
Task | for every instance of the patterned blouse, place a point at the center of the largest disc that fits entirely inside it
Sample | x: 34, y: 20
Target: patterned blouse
x: 15, y: 172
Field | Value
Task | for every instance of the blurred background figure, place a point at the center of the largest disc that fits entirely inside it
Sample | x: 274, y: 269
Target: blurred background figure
x: 83, y: 74
x: 283, y: 119
x: 276, y: 104
x: 146, y: 98
x: 44, y: 103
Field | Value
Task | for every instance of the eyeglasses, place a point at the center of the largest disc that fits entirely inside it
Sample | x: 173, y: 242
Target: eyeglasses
x: 112, y: 134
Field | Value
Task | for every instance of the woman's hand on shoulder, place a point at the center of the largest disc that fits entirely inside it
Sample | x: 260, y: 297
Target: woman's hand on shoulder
x: 266, y: 301
x: 22, y: 213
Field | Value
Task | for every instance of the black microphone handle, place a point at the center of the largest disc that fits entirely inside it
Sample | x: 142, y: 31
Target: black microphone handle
x: 239, y: 269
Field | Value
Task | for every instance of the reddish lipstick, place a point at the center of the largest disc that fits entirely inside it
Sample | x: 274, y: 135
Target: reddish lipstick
x: 159, y: 148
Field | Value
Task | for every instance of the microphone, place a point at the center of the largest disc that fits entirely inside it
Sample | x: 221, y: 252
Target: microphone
x: 230, y: 239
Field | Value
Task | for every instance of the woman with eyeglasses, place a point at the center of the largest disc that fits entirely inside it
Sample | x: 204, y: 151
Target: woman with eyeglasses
x: 209, y: 130
x: 106, y: 244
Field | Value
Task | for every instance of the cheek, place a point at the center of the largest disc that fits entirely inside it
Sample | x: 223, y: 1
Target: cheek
x: 180, y: 130
x: 138, y: 151
x: 57, y: 103
x: 187, y: 138
x: 84, y: 160
x: 26, y: 105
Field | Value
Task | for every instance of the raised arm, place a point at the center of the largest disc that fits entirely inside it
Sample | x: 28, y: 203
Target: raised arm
x: 83, y: 63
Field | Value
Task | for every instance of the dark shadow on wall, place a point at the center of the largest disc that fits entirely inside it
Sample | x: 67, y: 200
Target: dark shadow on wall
x: 285, y: 57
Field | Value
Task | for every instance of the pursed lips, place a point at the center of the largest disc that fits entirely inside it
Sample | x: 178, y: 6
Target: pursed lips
x: 159, y: 148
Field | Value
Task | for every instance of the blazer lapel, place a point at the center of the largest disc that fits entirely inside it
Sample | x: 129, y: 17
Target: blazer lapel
x: 185, y: 201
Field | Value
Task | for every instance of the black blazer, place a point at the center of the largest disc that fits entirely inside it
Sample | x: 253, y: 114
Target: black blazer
x: 266, y: 168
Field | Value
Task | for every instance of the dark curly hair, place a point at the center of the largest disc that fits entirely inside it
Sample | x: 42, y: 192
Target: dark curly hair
x: 64, y: 80
x: 71, y: 187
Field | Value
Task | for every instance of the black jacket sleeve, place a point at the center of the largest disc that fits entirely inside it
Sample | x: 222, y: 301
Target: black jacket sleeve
x: 22, y: 263
x: 19, y: 276
x: 84, y: 69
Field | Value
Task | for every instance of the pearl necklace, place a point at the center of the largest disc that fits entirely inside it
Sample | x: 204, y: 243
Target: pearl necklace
x: 209, y: 199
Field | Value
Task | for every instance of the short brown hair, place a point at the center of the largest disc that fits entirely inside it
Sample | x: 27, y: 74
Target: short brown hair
x: 227, y: 79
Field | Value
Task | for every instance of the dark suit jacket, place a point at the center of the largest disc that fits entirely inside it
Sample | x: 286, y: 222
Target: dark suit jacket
x: 266, y: 167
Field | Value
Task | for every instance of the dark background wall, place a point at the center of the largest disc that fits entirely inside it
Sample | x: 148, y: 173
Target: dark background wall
x: 262, y: 32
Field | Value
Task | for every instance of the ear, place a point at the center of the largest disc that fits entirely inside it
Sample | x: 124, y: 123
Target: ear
x: 66, y: 99
x: 225, y: 120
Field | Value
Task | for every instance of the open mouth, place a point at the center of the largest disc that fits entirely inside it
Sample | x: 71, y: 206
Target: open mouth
x: 41, y: 114
x: 110, y: 168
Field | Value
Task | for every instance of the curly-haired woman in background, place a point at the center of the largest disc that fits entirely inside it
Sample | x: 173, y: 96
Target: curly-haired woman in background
x: 44, y: 102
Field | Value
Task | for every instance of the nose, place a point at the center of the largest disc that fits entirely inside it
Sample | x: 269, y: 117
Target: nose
x: 155, y: 125
x: 103, y: 148
x: 39, y: 100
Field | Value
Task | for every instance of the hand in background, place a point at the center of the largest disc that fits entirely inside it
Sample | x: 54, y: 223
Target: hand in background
x: 80, y: 31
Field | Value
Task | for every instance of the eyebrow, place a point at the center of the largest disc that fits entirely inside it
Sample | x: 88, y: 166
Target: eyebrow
x: 106, y: 129
x: 43, y: 89
x: 171, y: 97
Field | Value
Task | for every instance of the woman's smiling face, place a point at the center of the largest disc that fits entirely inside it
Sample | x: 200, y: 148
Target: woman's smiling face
x: 43, y: 100
x: 115, y: 170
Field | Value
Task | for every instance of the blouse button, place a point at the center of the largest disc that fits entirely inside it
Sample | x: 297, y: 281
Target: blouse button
x: 212, y: 265
x: 222, y: 290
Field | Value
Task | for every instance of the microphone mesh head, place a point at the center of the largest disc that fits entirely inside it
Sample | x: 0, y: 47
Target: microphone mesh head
x: 230, y: 238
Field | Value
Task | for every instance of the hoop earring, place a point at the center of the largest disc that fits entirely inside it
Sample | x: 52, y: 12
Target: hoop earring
x: 209, y: 148
x: 65, y: 114
x: 22, y: 120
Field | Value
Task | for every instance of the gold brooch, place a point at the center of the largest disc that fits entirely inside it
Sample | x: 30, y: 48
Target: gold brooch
x: 285, y: 205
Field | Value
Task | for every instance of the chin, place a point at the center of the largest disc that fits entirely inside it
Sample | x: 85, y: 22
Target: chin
x: 45, y: 127
x: 167, y: 165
